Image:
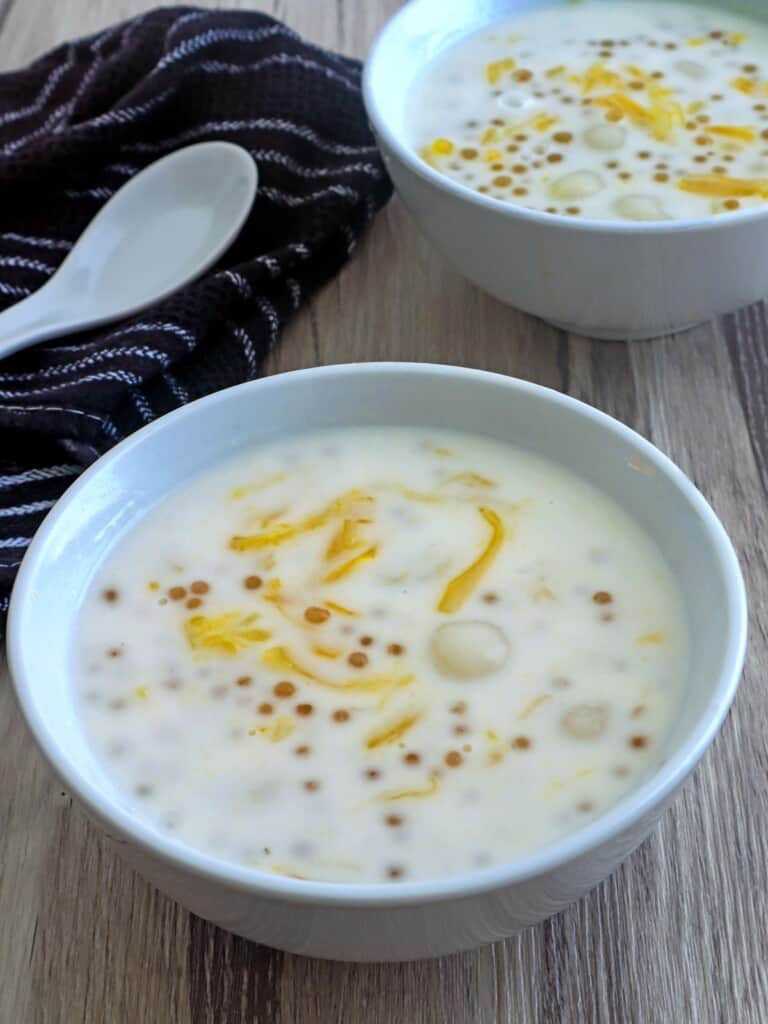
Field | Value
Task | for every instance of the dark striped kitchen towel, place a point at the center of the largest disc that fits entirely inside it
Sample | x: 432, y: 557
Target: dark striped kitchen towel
x: 74, y: 126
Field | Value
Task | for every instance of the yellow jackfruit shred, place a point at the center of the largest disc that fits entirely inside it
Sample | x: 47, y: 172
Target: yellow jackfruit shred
x: 406, y: 794
x: 393, y: 732
x: 226, y: 634
x: 733, y: 131
x: 341, y: 506
x: 723, y: 186
x: 460, y: 587
x: 349, y: 566
x: 496, y: 69
x: 280, y: 659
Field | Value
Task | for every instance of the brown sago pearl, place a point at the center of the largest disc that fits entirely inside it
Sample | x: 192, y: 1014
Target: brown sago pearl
x: 638, y: 742
x: 519, y: 191
x: 395, y: 871
x: 193, y: 602
x: 243, y: 681
x: 393, y: 820
x: 660, y: 176
x: 110, y: 595
x: 469, y: 153
x: 284, y: 689
x: 637, y: 710
x: 490, y: 598
x: 372, y: 773
x: 585, y: 806
x: 563, y: 137
x: 453, y: 759
x: 459, y: 708
x: 732, y: 204
x: 554, y: 158
x: 621, y: 771
x: 311, y: 785
x: 460, y: 729
x: 305, y: 710
x: 341, y: 715
x: 497, y: 167
x: 177, y: 593
x: 252, y: 582
x: 366, y: 641
x: 265, y: 709
x: 302, y: 750
x: 357, y: 659
x: 572, y: 210
x: 395, y: 649
x: 412, y: 757
x: 602, y: 597
x: 316, y: 615
x: 523, y: 75
x: 607, y: 617
x: 114, y: 652
x: 512, y: 148
x: 502, y: 180
x: 199, y: 587
x: 521, y: 743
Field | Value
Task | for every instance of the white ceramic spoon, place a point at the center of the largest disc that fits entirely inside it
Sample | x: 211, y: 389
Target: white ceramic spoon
x: 162, y: 229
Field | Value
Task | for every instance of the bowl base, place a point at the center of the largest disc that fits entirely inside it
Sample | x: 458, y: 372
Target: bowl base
x: 615, y: 334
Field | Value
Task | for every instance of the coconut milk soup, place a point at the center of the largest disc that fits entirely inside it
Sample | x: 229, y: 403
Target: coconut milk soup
x: 614, y: 111
x: 334, y: 666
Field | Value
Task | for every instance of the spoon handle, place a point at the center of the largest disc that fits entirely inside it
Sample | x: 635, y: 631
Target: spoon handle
x: 34, y: 319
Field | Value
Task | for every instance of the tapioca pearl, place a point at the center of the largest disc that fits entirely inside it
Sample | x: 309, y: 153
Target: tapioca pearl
x: 577, y: 185
x: 605, y: 137
x: 691, y: 69
x: 469, y: 649
x: 640, y: 208
x: 586, y: 721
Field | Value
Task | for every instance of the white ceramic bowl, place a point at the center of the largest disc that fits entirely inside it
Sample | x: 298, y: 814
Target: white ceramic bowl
x: 600, y: 278
x: 374, y: 921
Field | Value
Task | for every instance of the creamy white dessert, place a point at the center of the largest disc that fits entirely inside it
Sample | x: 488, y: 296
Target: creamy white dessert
x: 615, y: 111
x: 380, y: 654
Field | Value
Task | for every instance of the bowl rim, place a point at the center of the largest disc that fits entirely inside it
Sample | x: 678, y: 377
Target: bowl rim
x: 408, y: 156
x: 651, y: 795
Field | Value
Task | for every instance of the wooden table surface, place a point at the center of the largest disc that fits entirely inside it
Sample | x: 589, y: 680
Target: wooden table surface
x: 678, y: 935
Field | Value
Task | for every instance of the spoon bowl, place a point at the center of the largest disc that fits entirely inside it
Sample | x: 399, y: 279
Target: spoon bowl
x: 162, y: 229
